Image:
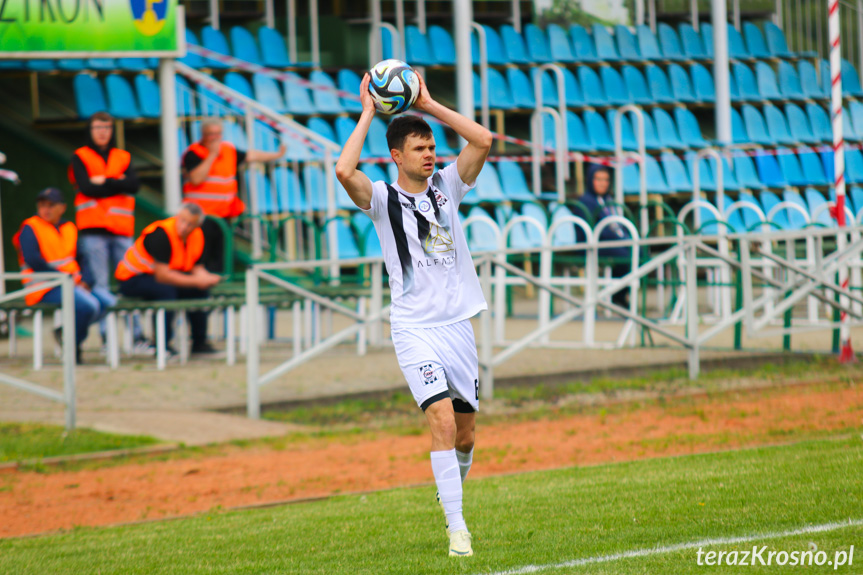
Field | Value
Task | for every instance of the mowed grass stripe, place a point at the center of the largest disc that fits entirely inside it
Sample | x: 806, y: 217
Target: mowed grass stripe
x: 529, y: 519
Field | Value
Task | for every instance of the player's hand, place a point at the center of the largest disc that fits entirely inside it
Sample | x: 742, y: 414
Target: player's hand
x: 424, y: 100
x: 365, y: 96
x: 97, y: 180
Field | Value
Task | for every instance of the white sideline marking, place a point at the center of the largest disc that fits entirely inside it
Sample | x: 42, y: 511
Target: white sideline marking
x: 682, y: 546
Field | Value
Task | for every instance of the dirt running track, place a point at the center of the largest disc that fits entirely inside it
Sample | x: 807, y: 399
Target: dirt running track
x: 31, y: 502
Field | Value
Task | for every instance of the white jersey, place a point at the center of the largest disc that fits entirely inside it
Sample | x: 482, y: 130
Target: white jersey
x: 432, y: 277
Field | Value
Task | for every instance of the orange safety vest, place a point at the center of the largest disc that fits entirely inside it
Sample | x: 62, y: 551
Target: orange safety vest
x: 184, y: 255
x: 114, y: 213
x: 57, y: 246
x: 217, y: 195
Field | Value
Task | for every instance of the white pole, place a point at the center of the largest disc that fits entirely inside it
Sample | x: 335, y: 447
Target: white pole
x: 400, y: 24
x: 67, y: 297
x: 421, y: 15
x: 376, y: 45
x: 214, y: 14
x: 639, y: 12
x: 171, y: 162
x: 736, y: 9
x: 315, y: 32
x: 292, y: 30
x: 846, y: 354
x: 516, y: 15
x: 720, y: 71
x: 253, y: 398
x: 651, y: 15
x: 269, y: 14
x: 693, y: 9
x: 860, y: 33
x: 464, y: 69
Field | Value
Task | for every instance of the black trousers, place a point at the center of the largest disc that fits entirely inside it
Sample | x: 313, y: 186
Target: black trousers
x: 214, y: 242
x: 145, y: 286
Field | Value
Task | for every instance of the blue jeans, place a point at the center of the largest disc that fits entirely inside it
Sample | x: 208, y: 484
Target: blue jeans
x: 90, y: 307
x: 99, y: 255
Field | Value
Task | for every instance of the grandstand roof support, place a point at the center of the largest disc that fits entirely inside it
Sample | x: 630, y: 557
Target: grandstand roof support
x: 292, y: 30
x: 269, y: 13
x: 214, y: 14
x: 171, y: 163
x: 693, y: 11
x: 463, y: 17
x: 735, y: 7
x: 315, y: 32
x: 719, y: 12
x: 421, y: 15
x: 516, y: 15
x: 400, y: 24
x: 639, y: 12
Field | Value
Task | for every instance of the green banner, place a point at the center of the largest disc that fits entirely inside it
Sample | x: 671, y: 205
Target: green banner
x: 70, y: 28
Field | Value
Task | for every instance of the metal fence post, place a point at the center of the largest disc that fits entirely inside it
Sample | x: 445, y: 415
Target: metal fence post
x: 69, y: 346
x: 253, y: 400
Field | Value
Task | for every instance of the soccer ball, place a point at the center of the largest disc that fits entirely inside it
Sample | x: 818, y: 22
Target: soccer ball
x: 394, y: 86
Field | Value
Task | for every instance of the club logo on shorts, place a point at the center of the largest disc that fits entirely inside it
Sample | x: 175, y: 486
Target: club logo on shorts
x: 428, y: 374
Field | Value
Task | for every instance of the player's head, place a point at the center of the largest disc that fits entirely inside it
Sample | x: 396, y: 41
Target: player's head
x: 211, y: 131
x: 412, y: 146
x: 101, y: 128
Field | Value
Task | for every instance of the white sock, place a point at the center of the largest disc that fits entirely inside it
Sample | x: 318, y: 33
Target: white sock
x: 445, y: 467
x: 464, y: 462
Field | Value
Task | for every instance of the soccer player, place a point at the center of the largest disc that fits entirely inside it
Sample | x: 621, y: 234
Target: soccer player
x: 435, y: 289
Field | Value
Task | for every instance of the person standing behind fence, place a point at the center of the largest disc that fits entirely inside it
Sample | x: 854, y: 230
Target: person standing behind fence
x: 47, y: 243
x: 165, y: 263
x: 210, y: 169
x: 106, y: 184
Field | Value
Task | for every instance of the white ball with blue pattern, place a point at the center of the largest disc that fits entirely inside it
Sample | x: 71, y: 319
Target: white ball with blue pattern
x: 394, y: 86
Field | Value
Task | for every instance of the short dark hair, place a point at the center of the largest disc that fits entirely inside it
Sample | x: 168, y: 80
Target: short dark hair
x: 100, y: 117
x: 404, y: 126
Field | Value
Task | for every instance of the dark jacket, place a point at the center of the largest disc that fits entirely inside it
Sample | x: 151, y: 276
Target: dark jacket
x: 599, y: 207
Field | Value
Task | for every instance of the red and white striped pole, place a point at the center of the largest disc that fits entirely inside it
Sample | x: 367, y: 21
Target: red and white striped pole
x: 846, y: 354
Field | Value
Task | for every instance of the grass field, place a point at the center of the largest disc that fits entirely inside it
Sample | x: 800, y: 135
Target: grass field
x: 20, y: 441
x: 541, y: 519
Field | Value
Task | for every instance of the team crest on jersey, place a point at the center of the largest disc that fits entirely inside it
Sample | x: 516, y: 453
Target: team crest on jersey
x: 425, y: 206
x: 428, y: 373
x: 439, y: 240
x: 440, y: 199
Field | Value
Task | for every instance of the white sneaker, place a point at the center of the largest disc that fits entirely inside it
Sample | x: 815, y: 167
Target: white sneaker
x: 143, y: 347
x: 445, y: 520
x: 459, y: 544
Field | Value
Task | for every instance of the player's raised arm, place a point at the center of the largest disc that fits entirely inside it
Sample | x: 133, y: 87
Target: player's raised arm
x: 357, y: 184
x: 479, y: 140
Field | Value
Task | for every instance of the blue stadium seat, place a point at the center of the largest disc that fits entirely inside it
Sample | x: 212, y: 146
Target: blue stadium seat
x: 598, y: 131
x: 584, y: 50
x: 667, y: 130
x: 265, y: 199
x: 604, y: 42
x: 549, y: 86
x: 815, y: 199
x: 813, y: 168
x: 799, y: 125
x: 615, y: 89
x: 751, y: 218
x: 559, y: 45
x: 274, y: 51
x: 746, y: 83
x: 669, y: 43
x: 442, y: 45
x: 826, y: 78
x: 769, y: 171
x: 314, y: 184
x: 706, y: 180
x: 480, y: 236
x: 733, y: 89
x: 514, y: 183
x: 777, y: 126
x: 656, y: 183
x: 368, y: 237
x: 72, y: 64
x: 238, y: 83
x: 627, y: 44
x: 134, y: 64
x: 693, y: 47
x: 148, y: 96
x: 745, y: 174
x: 768, y: 201
x: 755, y: 41
x: 578, y: 139
x: 738, y: 128
x: 690, y: 131
x: 565, y: 233
x: 347, y: 243
x: 537, y: 44
x: 853, y: 165
x: 681, y: 87
x: 245, y: 47
x: 767, y: 86
x: 516, y: 51
x: 40, y: 65
x: 791, y: 169
x: 418, y: 50
x: 809, y: 80
x: 595, y: 96
x: 12, y: 65
x: 848, y: 131
x: 185, y: 97
x: 214, y: 40
x: 796, y: 220
x: 707, y: 39
x: 651, y: 138
x: 856, y: 113
x: 499, y: 95
x: 377, y: 138
x: 106, y: 64
x: 702, y: 83
x: 855, y: 194
x: 660, y: 88
x: 574, y: 95
x: 648, y: 45
x: 190, y: 59
x: 627, y: 134
x: 636, y: 85
x: 265, y: 138
x: 736, y: 48
x: 820, y: 122
x: 349, y: 81
x: 121, y: 98
x: 756, y: 130
x: 268, y: 94
x: 488, y: 186
x: 322, y: 127
x: 850, y: 80
x: 298, y: 98
x: 89, y: 96
x: 387, y: 41
x: 776, y: 43
x: 675, y: 173
x: 789, y: 82
x: 521, y: 88
x: 289, y: 191
x: 326, y: 101
x: 495, y: 50
x: 344, y: 128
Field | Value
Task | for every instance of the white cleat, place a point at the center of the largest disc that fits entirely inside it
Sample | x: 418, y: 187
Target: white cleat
x: 459, y: 544
x: 445, y: 520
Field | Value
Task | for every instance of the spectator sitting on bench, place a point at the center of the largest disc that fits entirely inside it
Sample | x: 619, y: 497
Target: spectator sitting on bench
x: 166, y: 263
x: 47, y: 243
x: 210, y: 180
x: 597, y: 183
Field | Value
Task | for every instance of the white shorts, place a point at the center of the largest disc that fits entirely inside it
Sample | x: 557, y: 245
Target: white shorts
x: 440, y: 362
